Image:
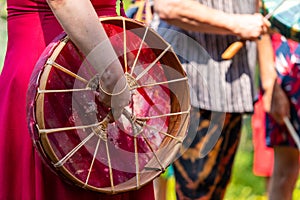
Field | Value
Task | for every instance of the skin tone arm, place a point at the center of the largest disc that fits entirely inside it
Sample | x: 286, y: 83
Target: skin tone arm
x: 276, y: 103
x: 186, y: 14
x: 80, y: 21
x: 275, y: 100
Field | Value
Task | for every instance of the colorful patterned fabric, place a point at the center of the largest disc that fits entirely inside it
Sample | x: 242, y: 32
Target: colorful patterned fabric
x: 288, y: 68
x: 202, y: 173
x: 286, y: 19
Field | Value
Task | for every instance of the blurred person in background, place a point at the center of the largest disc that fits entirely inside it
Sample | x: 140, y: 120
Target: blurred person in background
x: 285, y: 103
x: 221, y: 90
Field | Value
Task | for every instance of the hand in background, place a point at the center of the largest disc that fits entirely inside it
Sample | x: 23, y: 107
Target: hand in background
x: 250, y: 27
x: 276, y: 103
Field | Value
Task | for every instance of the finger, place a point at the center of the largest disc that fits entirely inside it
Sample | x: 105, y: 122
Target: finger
x: 267, y: 23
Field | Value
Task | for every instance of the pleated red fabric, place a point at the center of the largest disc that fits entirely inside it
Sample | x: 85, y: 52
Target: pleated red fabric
x: 31, y: 27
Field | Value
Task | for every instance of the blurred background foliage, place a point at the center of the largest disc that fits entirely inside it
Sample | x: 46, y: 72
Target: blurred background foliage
x: 243, y: 186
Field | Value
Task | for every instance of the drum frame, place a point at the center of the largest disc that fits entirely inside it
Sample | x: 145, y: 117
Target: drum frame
x: 179, y: 119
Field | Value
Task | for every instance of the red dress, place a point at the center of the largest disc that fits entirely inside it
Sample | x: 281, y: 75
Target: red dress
x: 31, y: 27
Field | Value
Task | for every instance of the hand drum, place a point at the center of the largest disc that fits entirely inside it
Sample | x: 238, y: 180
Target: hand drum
x: 68, y: 123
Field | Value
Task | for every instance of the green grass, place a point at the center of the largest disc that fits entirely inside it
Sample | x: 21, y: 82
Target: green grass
x: 244, y: 184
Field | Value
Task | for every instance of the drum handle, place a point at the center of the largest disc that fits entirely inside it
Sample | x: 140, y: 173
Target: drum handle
x: 236, y: 46
x: 233, y: 49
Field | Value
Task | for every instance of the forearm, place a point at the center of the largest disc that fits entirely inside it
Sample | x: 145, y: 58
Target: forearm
x: 186, y: 14
x: 266, y: 61
x: 275, y: 100
x: 194, y: 16
x: 80, y: 21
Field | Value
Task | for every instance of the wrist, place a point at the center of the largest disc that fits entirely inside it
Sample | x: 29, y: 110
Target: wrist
x: 268, y: 79
x: 268, y: 85
x: 230, y: 23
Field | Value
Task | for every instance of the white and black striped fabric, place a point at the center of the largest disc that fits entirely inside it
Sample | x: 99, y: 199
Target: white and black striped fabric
x: 216, y: 85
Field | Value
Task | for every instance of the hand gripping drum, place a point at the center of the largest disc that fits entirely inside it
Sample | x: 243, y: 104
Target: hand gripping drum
x: 68, y: 124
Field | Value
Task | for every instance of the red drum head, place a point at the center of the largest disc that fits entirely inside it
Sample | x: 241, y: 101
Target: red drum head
x: 68, y: 123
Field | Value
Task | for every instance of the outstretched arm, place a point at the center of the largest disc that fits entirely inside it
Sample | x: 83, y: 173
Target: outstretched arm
x: 80, y: 21
x: 194, y: 16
